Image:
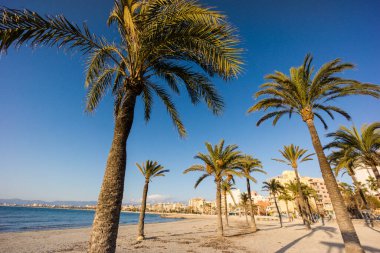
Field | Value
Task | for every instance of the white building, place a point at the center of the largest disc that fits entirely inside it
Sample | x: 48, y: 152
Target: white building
x: 362, y: 173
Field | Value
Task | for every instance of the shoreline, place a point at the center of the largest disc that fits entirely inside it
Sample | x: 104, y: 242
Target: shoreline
x: 84, y: 221
x: 196, y: 234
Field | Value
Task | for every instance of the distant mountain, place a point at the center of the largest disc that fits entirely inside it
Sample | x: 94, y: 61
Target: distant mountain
x: 58, y: 203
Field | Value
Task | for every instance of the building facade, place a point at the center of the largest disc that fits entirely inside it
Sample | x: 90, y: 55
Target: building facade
x: 322, y: 203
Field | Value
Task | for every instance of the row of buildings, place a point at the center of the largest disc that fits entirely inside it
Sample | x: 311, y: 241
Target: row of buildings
x: 265, y: 205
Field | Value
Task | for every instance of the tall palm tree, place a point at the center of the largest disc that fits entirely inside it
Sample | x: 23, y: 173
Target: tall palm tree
x: 286, y: 197
x: 173, y: 42
x: 275, y: 188
x: 307, y: 95
x: 249, y: 165
x: 244, y: 204
x: 149, y: 170
x: 219, y: 162
x: 226, y: 188
x: 294, y: 155
x: 363, y: 144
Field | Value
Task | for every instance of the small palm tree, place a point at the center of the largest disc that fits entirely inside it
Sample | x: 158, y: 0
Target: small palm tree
x: 227, y: 186
x: 249, y: 165
x: 363, y: 145
x: 244, y: 204
x: 294, y: 155
x: 274, y: 188
x: 314, y: 195
x: 220, y: 162
x: 149, y: 170
x: 343, y: 161
x: 171, y: 42
x: 307, y: 94
x: 372, y: 184
x: 348, y: 194
x: 307, y: 192
x: 292, y: 187
x: 286, y: 197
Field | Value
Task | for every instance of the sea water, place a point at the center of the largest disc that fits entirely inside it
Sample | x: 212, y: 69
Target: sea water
x: 13, y: 219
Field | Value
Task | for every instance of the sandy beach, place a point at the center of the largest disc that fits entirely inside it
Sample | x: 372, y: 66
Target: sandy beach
x: 197, y: 234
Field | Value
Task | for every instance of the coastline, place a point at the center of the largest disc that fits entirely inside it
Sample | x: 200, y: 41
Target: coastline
x: 196, y: 234
x: 28, y: 219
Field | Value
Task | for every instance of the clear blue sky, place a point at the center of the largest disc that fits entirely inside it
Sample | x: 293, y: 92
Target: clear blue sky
x: 51, y: 150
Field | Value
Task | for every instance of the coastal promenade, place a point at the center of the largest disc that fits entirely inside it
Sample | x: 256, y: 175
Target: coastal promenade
x: 196, y: 233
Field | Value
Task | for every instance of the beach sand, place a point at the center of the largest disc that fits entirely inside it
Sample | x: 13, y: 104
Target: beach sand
x: 197, y: 234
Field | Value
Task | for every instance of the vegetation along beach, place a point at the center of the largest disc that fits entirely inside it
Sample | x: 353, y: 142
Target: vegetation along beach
x: 202, y: 126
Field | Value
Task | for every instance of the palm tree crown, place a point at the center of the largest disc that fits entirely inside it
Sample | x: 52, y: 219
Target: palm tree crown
x: 305, y: 94
x: 361, y: 145
x: 293, y: 155
x: 273, y: 186
x: 244, y: 199
x: 219, y: 162
x: 247, y: 164
x: 159, y: 41
x: 151, y: 169
x: 354, y: 148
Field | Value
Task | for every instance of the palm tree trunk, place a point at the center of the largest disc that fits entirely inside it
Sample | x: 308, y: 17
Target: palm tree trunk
x: 350, y: 238
x: 140, y: 235
x: 302, y: 203
x: 309, y: 210
x: 253, y: 222
x: 219, y: 209
x: 246, y: 215
x: 106, y: 221
x: 377, y: 174
x: 278, y: 210
x: 287, y: 210
x: 225, y: 206
x: 319, y: 214
x: 361, y: 193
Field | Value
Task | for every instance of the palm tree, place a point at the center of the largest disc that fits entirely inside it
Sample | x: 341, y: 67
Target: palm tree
x: 218, y: 163
x: 249, y: 165
x: 294, y: 155
x: 344, y: 162
x: 292, y: 187
x: 275, y: 188
x: 175, y: 42
x: 244, y: 204
x: 285, y: 196
x: 372, y: 184
x: 314, y: 195
x: 149, y: 170
x: 363, y: 144
x: 348, y: 194
x: 307, y: 95
x: 227, y: 186
x: 307, y: 192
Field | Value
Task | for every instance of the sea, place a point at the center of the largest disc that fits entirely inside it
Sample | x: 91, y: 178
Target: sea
x: 18, y: 219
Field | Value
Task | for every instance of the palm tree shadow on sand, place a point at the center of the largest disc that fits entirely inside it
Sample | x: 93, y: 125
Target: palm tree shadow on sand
x: 340, y: 247
x: 329, y: 230
x: 239, y: 230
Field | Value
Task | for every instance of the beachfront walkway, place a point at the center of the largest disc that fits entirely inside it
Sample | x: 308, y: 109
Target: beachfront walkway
x: 198, y: 235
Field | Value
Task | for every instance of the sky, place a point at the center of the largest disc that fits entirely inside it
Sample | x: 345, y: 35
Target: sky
x: 50, y: 149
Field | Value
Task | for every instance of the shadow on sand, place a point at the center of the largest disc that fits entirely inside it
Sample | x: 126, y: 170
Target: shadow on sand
x: 340, y: 247
x: 328, y: 230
